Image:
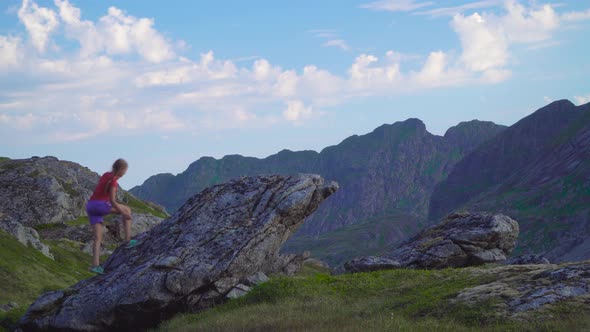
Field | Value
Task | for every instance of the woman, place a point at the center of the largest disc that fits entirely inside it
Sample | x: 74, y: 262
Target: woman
x: 103, y: 202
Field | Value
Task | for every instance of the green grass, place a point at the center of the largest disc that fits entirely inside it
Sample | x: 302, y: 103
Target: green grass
x: 138, y: 206
x: 395, y: 300
x: 25, y: 273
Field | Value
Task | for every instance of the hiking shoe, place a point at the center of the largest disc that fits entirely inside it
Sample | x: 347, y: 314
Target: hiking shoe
x: 132, y: 243
x: 97, y: 269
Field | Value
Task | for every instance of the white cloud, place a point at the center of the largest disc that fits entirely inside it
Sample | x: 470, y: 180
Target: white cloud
x: 262, y: 70
x: 434, y: 68
x: 484, y: 45
x: 396, y: 5
x: 115, y: 34
x: 11, y: 52
x: 576, y: 16
x: 529, y: 25
x: 40, y: 22
x: 581, y: 100
x: 126, y: 77
x: 339, y: 43
x: 331, y: 38
x: 548, y: 100
x: 367, y: 73
x: 187, y: 71
x: 296, y: 111
x: 286, y: 84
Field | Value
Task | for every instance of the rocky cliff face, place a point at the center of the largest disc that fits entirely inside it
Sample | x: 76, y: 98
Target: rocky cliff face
x: 497, y: 159
x: 384, y: 174
x: 191, y: 261
x: 536, y: 171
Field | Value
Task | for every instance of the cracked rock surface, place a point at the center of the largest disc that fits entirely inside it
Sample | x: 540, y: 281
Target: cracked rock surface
x: 519, y: 289
x: 190, y: 261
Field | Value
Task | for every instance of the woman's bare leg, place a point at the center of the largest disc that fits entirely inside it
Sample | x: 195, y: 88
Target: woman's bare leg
x: 96, y: 246
x: 126, y: 216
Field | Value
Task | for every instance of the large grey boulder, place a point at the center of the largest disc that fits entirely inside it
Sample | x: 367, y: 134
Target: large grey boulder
x: 190, y: 261
x: 462, y: 239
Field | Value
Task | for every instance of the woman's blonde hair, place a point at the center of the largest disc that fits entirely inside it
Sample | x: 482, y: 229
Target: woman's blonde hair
x: 118, y: 165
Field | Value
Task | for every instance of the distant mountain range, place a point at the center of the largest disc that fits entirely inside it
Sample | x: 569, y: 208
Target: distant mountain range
x: 385, y: 177
x: 400, y: 178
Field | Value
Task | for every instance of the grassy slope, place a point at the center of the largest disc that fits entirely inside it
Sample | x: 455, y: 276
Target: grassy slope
x: 139, y: 206
x: 25, y: 273
x: 407, y: 300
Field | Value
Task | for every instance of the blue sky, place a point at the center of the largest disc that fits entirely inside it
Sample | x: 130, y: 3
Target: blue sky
x: 165, y: 83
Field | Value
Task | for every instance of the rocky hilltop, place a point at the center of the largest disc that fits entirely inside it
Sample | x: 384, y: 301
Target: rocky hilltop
x: 48, y: 196
x: 190, y: 261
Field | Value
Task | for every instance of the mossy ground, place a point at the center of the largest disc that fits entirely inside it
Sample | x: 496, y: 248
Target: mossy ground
x: 395, y: 300
x: 25, y: 273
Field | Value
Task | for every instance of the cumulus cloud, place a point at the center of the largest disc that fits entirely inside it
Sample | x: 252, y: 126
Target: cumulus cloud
x: 529, y: 25
x: 125, y: 76
x: 11, y: 52
x: 115, y: 34
x: 296, y: 111
x: 367, y: 73
x: 484, y: 45
x: 396, y: 5
x: 40, y: 22
x: 186, y: 71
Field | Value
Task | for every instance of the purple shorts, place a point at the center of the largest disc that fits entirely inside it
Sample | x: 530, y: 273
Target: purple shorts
x: 96, y: 210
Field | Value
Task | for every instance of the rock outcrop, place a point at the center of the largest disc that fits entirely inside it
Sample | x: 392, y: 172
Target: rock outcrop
x: 526, y: 259
x: 518, y: 289
x: 462, y: 239
x: 47, y: 190
x: 25, y: 235
x: 50, y: 194
x: 190, y: 261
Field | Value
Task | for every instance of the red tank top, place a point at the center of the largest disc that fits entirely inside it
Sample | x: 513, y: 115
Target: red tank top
x: 101, y: 192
